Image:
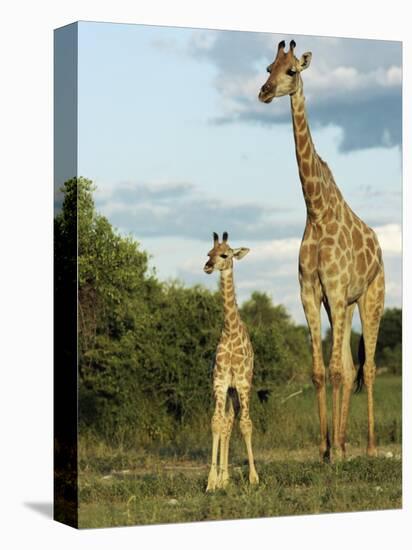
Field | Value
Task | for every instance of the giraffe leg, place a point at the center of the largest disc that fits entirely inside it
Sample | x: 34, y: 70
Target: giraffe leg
x: 230, y: 427
x: 246, y: 429
x: 223, y: 477
x: 222, y: 452
x: 348, y: 377
x: 310, y: 296
x: 371, y: 305
x: 337, y: 309
x: 218, y: 423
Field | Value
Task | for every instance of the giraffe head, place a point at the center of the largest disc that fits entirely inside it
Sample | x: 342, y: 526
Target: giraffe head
x: 221, y: 255
x: 284, y: 73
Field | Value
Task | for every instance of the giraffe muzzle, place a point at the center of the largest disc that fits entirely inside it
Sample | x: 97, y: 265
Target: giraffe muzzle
x: 208, y: 268
x: 267, y: 93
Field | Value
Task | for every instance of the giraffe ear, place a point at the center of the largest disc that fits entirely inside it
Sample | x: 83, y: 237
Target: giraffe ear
x: 304, y: 61
x: 239, y: 253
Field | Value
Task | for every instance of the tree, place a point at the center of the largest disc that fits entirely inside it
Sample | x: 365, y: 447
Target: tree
x: 281, y: 348
x: 389, y: 344
x: 390, y: 330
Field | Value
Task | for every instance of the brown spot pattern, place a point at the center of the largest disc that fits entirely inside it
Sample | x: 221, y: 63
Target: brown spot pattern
x: 347, y: 234
x: 310, y: 188
x: 370, y: 244
x: 347, y: 218
x: 303, y: 252
x: 305, y: 168
x: 302, y: 139
x: 357, y: 238
x: 332, y: 285
x: 369, y: 256
x: 325, y: 254
x: 312, y: 256
x: 332, y: 270
x: 361, y: 263
x: 344, y: 279
x: 317, y: 203
x: 332, y: 228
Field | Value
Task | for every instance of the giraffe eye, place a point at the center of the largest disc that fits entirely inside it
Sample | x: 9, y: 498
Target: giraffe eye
x: 291, y: 72
x: 223, y: 256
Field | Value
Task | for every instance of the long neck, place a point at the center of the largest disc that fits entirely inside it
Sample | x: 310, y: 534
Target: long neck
x: 309, y: 164
x: 231, y: 312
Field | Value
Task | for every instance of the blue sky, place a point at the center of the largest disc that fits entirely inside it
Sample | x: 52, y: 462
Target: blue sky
x: 172, y: 133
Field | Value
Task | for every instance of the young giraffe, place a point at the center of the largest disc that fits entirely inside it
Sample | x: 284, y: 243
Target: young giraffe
x: 233, y: 368
x: 340, y: 264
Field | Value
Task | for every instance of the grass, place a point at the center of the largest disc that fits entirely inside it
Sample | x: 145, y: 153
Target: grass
x: 166, y: 484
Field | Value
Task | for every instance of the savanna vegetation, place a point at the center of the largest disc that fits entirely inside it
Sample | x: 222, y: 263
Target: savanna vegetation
x: 146, y: 353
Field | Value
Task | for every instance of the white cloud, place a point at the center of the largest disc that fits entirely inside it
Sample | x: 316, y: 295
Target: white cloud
x: 182, y: 209
x: 390, y: 238
x: 355, y: 84
x: 279, y: 249
x: 321, y: 84
x: 393, y: 76
x: 339, y: 80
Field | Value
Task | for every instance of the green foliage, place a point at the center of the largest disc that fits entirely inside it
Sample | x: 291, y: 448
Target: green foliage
x: 187, y: 329
x: 391, y: 358
x: 281, y: 348
x: 389, y: 345
x: 390, y: 330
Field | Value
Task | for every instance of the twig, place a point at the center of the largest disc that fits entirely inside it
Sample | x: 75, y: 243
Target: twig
x: 291, y: 395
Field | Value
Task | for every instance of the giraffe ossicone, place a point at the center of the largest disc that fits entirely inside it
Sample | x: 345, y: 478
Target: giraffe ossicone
x: 340, y: 264
x: 233, y: 369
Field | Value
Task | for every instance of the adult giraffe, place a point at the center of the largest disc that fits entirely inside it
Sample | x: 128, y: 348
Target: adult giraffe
x: 340, y: 264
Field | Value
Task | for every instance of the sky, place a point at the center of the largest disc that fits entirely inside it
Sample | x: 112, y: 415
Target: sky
x: 171, y: 131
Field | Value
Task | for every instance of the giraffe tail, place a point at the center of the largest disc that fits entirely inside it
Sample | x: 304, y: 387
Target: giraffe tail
x: 361, y: 359
x: 233, y: 397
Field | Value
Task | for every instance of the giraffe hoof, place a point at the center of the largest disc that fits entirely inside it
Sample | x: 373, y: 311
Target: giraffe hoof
x: 372, y: 452
x: 325, y: 455
x: 212, y: 482
x: 338, y: 455
x: 222, y: 481
x: 222, y: 484
x: 253, y: 478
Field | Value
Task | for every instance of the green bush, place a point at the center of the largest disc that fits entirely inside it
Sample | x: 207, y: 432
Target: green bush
x: 391, y: 359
